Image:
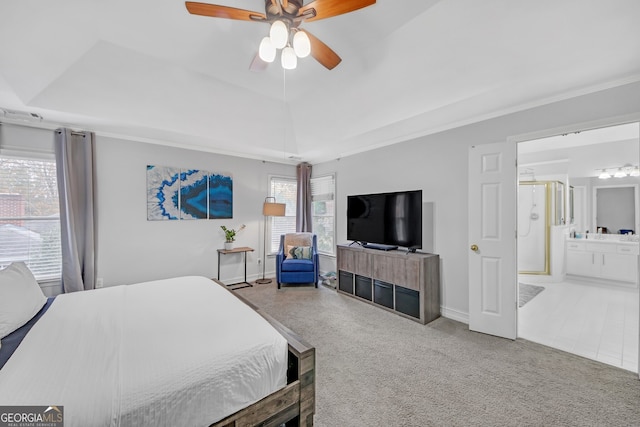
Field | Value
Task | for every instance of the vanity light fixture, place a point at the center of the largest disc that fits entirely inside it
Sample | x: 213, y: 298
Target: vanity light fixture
x: 620, y: 172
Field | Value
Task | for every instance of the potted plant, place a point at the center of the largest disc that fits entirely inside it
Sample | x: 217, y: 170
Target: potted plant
x: 230, y: 235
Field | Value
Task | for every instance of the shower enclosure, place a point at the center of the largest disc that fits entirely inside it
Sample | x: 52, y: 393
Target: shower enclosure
x: 540, y: 206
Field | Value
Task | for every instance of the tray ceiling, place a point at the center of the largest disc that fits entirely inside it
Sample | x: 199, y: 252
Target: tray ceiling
x: 149, y: 70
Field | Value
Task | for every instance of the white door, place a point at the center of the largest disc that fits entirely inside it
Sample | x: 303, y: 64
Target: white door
x: 492, y: 239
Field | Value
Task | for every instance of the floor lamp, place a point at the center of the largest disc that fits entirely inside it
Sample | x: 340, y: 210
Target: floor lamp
x: 269, y: 208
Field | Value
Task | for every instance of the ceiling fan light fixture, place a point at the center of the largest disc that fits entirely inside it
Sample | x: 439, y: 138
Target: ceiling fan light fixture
x: 635, y: 172
x: 288, y: 58
x: 301, y: 44
x: 279, y: 34
x: 267, y: 51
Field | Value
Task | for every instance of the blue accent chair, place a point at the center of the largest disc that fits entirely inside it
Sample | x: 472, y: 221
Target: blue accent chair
x: 290, y: 270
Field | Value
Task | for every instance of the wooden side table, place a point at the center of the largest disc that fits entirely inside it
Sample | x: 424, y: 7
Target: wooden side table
x: 243, y: 250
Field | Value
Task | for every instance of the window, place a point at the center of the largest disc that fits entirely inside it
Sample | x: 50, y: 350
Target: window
x: 30, y: 216
x: 285, y: 191
x: 323, y: 212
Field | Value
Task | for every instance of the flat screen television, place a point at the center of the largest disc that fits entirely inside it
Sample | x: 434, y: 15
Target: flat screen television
x: 393, y: 219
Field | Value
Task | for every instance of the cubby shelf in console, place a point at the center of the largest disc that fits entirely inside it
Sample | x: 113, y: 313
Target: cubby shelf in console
x: 407, y: 284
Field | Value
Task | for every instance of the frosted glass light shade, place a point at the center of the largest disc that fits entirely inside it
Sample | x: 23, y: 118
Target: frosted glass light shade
x: 635, y: 172
x: 289, y: 58
x: 301, y: 44
x: 604, y: 175
x: 619, y: 173
x: 279, y: 34
x: 266, y: 51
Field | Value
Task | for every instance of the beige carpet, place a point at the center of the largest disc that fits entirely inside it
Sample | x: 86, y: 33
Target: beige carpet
x: 377, y: 369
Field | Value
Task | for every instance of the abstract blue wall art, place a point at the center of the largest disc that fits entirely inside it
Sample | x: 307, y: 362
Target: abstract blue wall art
x: 174, y: 193
x: 193, y: 194
x: 220, y: 196
x: 163, y: 188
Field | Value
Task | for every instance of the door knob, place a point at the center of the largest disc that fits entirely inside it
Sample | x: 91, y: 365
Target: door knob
x: 474, y: 248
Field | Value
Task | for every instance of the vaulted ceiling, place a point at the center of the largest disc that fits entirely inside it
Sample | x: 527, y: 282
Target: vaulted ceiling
x: 149, y: 70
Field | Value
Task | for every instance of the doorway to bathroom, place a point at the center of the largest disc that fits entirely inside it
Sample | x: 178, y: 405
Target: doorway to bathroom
x: 577, y: 225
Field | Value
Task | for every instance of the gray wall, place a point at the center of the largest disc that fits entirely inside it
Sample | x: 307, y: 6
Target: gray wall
x: 132, y: 249
x: 437, y: 164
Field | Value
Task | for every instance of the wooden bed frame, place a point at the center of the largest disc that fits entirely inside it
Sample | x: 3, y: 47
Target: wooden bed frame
x: 293, y: 405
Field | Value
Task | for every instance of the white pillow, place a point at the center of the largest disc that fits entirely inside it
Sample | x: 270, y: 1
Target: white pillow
x: 20, y: 297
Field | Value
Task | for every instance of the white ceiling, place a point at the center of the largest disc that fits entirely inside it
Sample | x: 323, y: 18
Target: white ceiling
x: 148, y: 70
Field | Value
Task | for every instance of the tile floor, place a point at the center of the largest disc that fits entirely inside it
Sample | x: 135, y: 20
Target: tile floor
x: 596, y: 321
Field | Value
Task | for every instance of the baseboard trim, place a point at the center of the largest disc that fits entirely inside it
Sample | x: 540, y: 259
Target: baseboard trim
x: 453, y: 314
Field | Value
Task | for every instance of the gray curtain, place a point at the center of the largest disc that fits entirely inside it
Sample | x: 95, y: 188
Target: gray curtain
x: 303, y: 208
x: 74, y: 160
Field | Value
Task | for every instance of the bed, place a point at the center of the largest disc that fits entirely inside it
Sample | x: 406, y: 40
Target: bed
x: 183, y: 351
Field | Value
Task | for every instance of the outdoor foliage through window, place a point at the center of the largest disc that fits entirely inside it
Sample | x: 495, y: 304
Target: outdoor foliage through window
x: 323, y: 212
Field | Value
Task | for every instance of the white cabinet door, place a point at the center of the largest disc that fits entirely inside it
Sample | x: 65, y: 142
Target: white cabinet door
x: 605, y: 261
x: 619, y: 267
x: 581, y: 263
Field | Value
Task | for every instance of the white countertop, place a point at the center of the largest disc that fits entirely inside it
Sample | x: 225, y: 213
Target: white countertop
x: 605, y: 240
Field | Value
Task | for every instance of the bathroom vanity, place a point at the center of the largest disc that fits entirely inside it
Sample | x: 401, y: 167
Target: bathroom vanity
x: 606, y: 258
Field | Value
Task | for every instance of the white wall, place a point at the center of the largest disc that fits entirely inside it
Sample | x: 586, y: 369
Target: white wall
x: 132, y: 249
x: 437, y: 164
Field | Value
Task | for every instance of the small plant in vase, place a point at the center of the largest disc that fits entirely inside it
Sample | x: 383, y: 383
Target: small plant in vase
x: 230, y: 235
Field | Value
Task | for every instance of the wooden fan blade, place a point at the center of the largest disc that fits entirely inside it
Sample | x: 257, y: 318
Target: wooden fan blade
x: 328, y: 8
x: 217, y: 11
x: 322, y: 53
x: 257, y: 64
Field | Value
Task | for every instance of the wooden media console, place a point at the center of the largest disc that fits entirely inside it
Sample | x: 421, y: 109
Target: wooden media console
x: 405, y: 283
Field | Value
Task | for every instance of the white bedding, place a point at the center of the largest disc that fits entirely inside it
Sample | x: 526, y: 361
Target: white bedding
x: 176, y: 352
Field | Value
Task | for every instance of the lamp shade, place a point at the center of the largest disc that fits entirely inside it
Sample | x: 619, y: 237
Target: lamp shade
x: 273, y: 209
x: 267, y: 51
x: 604, y: 174
x: 301, y: 44
x: 279, y: 34
x: 288, y: 58
x: 619, y: 173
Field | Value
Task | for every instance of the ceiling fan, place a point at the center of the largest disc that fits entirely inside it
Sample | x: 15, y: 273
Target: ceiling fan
x: 291, y: 13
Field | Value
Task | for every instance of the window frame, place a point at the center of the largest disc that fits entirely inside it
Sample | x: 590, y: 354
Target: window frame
x: 332, y: 177
x: 46, y: 277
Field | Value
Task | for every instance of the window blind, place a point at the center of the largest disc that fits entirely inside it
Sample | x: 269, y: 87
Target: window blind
x: 285, y: 191
x: 30, y: 216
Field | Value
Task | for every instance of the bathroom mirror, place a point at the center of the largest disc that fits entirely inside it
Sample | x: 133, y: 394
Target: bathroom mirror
x: 572, y: 218
x: 615, y: 208
x: 559, y: 218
